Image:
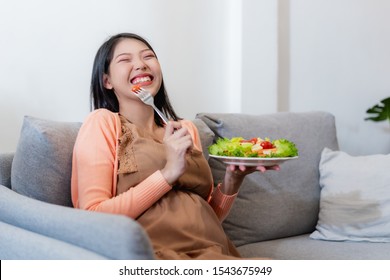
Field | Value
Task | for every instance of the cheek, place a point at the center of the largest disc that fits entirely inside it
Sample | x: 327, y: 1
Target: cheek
x: 155, y: 66
x: 157, y: 73
x: 119, y: 74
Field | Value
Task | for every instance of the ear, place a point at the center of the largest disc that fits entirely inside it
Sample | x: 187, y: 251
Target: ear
x: 106, y: 82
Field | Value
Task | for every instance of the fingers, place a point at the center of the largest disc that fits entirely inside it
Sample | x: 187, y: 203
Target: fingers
x: 242, y: 168
x: 274, y: 167
x: 260, y: 168
x: 171, y: 127
x: 174, y: 128
x: 178, y: 136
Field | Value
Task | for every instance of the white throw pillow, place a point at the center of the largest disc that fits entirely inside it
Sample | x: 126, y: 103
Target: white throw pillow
x: 355, y: 197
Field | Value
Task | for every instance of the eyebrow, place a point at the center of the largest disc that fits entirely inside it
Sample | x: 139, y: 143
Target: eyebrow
x: 142, y: 51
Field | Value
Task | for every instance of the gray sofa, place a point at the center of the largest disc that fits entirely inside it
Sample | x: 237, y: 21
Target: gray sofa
x: 280, y: 214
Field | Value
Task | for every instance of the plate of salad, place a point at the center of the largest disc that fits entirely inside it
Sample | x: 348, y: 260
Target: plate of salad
x: 254, y: 151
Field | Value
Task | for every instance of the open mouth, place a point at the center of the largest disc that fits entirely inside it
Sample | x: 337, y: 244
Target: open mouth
x: 142, y: 79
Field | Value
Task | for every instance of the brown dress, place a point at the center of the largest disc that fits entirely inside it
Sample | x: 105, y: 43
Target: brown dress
x: 181, y: 225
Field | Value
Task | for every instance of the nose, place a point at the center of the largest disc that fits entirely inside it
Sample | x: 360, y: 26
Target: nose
x: 140, y: 65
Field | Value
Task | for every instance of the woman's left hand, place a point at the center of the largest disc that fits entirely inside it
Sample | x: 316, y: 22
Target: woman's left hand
x: 250, y: 169
x: 235, y: 175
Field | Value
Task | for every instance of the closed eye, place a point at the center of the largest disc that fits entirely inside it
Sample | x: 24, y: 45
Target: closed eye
x: 149, y: 56
x: 125, y: 60
x: 123, y: 57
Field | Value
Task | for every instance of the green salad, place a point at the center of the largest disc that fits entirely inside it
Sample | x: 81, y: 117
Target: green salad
x: 255, y: 147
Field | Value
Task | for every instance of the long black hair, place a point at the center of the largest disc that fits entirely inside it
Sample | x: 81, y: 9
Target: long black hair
x: 102, y: 97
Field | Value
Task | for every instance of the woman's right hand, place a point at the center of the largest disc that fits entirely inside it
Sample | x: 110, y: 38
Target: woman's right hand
x: 178, y: 142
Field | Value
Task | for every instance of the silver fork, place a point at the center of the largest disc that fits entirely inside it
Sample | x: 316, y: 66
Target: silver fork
x: 148, y: 99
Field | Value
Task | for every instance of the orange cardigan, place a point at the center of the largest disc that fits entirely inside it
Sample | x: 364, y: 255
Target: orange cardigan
x: 95, y: 166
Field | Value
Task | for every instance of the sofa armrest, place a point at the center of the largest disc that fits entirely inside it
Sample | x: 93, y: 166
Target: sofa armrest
x: 5, y: 169
x: 20, y: 244
x: 108, y: 235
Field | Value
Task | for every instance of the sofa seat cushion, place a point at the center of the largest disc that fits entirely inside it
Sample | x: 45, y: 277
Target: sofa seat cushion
x: 282, y: 203
x: 42, y: 163
x: 302, y: 247
x: 355, y: 197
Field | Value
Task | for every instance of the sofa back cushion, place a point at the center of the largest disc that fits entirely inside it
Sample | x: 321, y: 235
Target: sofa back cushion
x: 283, y: 203
x: 5, y: 169
x: 42, y: 163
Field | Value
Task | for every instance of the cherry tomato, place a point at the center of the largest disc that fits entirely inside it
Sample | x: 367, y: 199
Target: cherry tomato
x: 135, y: 88
x: 267, y: 145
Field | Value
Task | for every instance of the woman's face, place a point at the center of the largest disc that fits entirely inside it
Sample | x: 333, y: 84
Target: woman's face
x: 133, y: 63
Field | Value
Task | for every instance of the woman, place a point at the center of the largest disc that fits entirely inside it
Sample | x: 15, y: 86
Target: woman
x: 126, y: 161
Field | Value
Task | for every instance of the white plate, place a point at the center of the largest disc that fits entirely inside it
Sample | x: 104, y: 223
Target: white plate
x: 252, y: 161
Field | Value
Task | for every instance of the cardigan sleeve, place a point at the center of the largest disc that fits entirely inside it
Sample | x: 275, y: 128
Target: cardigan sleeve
x: 221, y: 203
x: 94, y: 171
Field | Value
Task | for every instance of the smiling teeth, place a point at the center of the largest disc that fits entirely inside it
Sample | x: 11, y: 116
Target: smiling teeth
x: 141, y: 80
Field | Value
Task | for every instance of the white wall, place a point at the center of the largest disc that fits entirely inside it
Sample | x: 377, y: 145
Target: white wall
x: 250, y: 56
x: 259, y: 65
x: 47, y: 49
x: 340, y: 63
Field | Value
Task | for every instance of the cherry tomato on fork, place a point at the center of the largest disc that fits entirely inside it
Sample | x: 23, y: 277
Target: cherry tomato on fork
x: 135, y: 88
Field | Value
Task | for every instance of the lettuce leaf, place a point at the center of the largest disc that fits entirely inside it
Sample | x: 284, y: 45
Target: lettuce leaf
x: 232, y: 148
x: 284, y: 148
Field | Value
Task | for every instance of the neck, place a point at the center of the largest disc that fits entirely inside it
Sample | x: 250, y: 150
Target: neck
x: 140, y: 115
